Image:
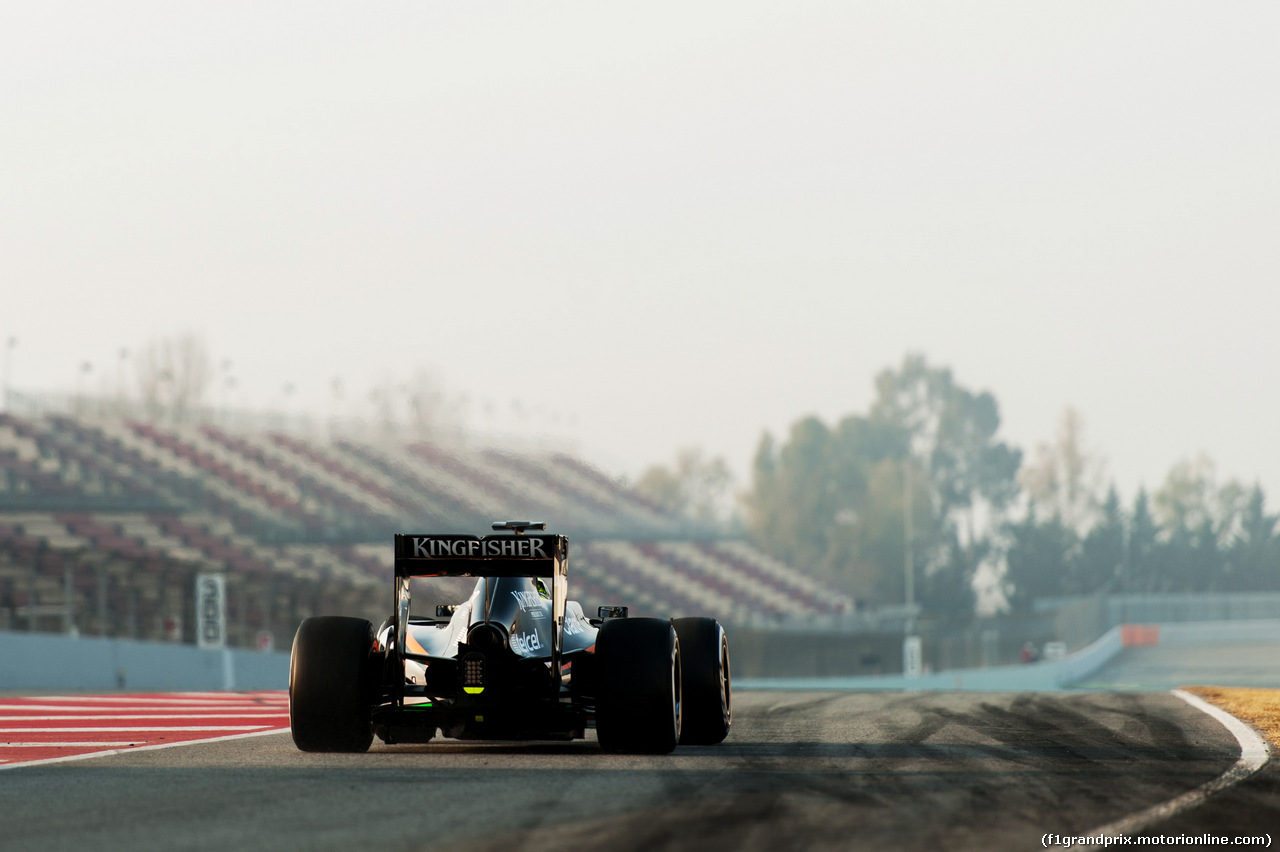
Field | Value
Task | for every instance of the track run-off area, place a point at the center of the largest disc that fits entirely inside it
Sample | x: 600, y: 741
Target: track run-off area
x: 45, y: 729
x: 800, y: 770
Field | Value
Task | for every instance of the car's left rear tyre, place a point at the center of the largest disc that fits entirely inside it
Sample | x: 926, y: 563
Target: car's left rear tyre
x: 330, y: 672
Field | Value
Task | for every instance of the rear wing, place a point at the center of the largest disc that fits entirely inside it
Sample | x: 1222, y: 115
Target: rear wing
x: 509, y: 555
x: 481, y: 556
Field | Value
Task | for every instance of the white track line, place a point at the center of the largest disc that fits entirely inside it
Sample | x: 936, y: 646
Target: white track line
x: 155, y: 729
x: 1253, y: 754
x: 66, y: 745
x: 70, y: 757
x: 76, y: 717
x: 89, y: 708
x: 197, y: 698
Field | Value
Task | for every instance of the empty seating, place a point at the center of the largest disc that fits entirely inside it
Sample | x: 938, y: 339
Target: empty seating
x: 110, y: 521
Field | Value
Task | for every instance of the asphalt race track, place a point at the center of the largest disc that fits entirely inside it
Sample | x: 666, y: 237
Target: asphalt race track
x: 801, y: 770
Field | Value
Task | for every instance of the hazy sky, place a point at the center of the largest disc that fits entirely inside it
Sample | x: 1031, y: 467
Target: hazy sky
x: 668, y: 223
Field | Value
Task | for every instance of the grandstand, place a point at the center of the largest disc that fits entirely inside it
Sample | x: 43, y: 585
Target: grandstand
x: 104, y: 523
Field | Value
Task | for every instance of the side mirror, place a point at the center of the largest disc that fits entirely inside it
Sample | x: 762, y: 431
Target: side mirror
x: 612, y: 612
x: 445, y: 610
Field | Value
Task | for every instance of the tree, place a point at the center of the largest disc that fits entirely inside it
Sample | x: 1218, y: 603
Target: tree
x: 1142, y: 558
x: 1041, y: 559
x: 948, y: 591
x: 1198, y: 521
x: 793, y: 500
x: 834, y: 499
x: 421, y: 408
x: 1255, y: 552
x: 969, y: 472
x: 1102, y: 552
x: 953, y: 430
x: 1190, y: 560
x: 697, y: 486
x: 1185, y: 500
x: 174, y: 374
x: 1065, y: 477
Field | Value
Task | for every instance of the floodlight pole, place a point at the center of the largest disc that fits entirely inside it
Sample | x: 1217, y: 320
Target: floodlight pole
x: 911, y: 653
x: 8, y: 356
x: 908, y: 534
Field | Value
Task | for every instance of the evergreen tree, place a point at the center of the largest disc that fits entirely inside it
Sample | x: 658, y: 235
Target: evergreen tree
x: 949, y: 592
x: 1141, y: 564
x: 1041, y: 560
x: 1102, y: 552
x: 1254, y: 554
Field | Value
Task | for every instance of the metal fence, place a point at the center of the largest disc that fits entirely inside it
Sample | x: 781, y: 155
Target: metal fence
x: 1166, y: 609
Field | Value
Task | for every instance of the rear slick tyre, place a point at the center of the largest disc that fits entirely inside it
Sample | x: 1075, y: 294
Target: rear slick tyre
x: 329, y: 676
x: 638, y: 702
x: 707, y: 693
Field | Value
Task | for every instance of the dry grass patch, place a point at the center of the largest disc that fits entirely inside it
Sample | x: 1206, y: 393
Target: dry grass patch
x: 1259, y: 707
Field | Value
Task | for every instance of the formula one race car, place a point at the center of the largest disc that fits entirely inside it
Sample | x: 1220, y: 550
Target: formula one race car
x: 513, y: 659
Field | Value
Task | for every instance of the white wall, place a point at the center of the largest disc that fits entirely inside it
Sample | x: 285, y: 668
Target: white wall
x: 39, y: 661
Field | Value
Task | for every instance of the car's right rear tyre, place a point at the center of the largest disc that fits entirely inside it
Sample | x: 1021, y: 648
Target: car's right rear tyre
x: 330, y: 674
x: 638, y: 683
x: 707, y: 694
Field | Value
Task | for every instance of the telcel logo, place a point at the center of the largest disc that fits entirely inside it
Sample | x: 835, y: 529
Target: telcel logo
x: 525, y: 643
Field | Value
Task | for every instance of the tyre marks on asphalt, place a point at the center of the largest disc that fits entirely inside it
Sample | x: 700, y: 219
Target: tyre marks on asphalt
x: 899, y: 771
x: 48, y: 729
x: 1253, y: 755
x: 810, y: 771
